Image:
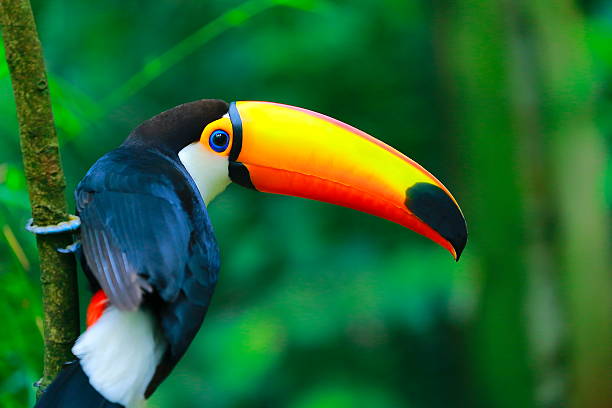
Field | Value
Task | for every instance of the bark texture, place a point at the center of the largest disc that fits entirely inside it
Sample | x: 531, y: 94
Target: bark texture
x: 45, y: 178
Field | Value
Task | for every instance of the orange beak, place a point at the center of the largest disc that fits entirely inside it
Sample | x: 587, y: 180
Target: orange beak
x: 287, y: 150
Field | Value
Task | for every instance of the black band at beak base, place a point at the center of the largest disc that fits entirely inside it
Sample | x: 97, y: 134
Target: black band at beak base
x: 239, y: 174
x: 237, y: 132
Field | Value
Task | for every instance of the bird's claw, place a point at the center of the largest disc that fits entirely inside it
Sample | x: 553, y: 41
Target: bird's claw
x: 70, y: 249
x: 73, y: 224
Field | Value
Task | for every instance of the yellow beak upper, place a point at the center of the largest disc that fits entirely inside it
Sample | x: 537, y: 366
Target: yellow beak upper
x: 287, y: 150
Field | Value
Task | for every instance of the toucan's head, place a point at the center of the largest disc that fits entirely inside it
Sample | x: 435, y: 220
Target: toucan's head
x: 282, y: 149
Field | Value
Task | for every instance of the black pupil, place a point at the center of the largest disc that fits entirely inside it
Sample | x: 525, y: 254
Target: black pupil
x: 220, y: 139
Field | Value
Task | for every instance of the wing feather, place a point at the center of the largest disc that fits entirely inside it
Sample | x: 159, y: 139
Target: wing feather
x: 134, y: 242
x: 145, y: 228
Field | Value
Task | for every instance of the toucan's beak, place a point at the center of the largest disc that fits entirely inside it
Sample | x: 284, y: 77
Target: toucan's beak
x: 287, y: 150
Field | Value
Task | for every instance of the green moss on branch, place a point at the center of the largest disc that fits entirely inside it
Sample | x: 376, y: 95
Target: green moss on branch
x: 45, y: 178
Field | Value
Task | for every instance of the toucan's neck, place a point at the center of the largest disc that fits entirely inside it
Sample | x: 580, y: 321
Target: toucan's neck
x: 209, y: 171
x: 178, y: 127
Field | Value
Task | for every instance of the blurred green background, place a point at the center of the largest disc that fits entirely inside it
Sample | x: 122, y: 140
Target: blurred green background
x: 508, y: 103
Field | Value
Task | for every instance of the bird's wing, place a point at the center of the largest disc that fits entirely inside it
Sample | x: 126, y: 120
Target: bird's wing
x: 144, y: 227
x: 135, y: 241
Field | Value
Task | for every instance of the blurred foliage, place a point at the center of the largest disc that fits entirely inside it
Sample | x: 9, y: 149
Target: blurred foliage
x: 319, y: 306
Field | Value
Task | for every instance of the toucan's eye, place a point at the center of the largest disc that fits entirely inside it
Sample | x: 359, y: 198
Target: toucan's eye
x: 219, y: 140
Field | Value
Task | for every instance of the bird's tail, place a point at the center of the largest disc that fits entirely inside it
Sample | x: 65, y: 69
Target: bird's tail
x: 71, y: 389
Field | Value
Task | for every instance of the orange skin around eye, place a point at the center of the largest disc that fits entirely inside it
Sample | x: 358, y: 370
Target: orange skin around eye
x: 224, y: 124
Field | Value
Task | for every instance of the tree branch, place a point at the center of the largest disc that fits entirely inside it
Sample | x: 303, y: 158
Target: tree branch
x: 39, y: 147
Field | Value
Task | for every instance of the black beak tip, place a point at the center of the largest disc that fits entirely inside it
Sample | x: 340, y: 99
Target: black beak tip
x: 460, y: 242
x: 435, y: 208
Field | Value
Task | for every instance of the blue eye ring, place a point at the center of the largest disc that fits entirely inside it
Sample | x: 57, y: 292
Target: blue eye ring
x: 219, y: 140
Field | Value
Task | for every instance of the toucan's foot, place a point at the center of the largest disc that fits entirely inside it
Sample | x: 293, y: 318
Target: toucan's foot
x: 73, y: 224
x: 70, y: 249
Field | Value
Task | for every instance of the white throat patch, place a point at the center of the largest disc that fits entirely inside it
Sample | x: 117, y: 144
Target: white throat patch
x: 208, y: 170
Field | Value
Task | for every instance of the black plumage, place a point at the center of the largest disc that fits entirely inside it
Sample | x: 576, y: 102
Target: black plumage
x: 71, y: 389
x: 146, y: 236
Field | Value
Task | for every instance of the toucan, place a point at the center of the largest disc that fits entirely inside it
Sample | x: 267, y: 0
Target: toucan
x: 148, y: 246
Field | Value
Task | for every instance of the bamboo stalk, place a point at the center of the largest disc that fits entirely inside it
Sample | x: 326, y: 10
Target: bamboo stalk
x: 577, y: 154
x: 472, y: 56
